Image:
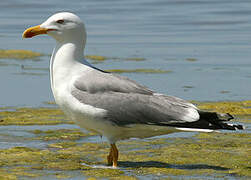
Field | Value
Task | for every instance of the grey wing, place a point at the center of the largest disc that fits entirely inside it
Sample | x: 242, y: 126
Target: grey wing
x: 133, y: 108
x: 97, y: 82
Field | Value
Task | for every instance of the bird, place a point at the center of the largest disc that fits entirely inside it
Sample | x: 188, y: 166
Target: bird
x: 109, y: 104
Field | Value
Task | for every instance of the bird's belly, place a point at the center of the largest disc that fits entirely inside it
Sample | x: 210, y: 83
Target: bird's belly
x: 86, y: 116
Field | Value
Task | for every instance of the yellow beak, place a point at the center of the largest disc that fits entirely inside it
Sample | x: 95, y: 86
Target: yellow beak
x: 33, y: 31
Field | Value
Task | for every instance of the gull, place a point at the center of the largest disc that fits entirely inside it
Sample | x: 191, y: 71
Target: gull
x: 111, y: 105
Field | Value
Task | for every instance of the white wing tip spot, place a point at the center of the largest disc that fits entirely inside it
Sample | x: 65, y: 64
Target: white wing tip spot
x: 191, y: 115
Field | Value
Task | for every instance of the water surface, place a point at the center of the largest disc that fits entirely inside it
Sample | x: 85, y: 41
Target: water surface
x: 167, y: 33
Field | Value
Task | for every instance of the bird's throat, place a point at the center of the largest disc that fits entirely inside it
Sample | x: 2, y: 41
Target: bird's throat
x: 63, y: 58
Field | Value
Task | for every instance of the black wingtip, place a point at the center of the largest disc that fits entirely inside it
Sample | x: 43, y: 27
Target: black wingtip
x: 219, y: 121
x: 228, y: 117
x: 232, y: 126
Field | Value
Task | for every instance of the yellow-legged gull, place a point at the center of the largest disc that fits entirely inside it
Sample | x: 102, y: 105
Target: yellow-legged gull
x: 112, y: 105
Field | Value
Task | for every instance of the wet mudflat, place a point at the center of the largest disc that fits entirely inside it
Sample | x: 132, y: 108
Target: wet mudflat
x: 40, y: 143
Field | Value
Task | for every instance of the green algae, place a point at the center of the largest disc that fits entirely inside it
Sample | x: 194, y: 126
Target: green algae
x: 210, y: 153
x: 33, y: 116
x: 205, y: 154
x: 49, y: 102
x: 60, y: 134
x: 103, y: 58
x: 188, y: 87
x: 232, y: 107
x: 224, y: 92
x: 94, y: 153
x: 62, y: 176
x: 135, y: 59
x: 96, y: 57
x: 101, y: 173
x: 191, y: 59
x: 91, y: 178
x: 62, y: 145
x: 18, y: 54
x: 138, y: 71
x: 21, y: 54
x: 5, y: 175
x: 24, y: 172
x: 36, y: 159
x: 34, y: 68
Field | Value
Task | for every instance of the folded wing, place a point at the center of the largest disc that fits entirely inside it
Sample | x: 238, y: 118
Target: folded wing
x: 127, y: 102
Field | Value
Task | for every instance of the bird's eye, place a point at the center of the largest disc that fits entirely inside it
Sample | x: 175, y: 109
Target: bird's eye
x: 61, y: 21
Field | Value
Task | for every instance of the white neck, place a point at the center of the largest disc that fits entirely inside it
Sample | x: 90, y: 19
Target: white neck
x: 64, y: 56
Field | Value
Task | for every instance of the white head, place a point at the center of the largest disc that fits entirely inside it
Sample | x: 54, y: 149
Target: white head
x: 63, y: 27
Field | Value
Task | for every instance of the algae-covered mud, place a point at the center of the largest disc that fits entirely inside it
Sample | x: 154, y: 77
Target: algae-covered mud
x: 22, y: 54
x: 41, y: 143
x: 31, y: 116
x: 18, y: 54
x: 103, y: 58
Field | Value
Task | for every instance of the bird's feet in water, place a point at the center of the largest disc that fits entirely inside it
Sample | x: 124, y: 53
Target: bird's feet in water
x: 112, y: 158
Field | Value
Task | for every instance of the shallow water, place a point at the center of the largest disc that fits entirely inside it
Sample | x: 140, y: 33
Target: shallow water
x: 216, y: 34
x: 13, y: 136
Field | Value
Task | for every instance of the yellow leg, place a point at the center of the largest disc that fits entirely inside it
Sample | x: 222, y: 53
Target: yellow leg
x: 113, y: 156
